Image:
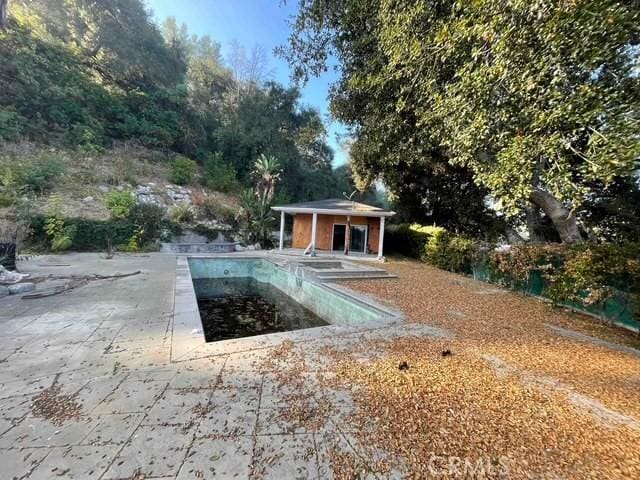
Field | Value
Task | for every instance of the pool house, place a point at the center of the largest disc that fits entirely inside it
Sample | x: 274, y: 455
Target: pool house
x: 337, y: 226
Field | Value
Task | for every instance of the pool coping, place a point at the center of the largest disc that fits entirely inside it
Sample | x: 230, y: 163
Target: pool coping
x: 187, y: 336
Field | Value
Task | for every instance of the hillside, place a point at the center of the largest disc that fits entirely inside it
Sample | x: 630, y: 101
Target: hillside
x: 83, y: 181
x: 97, y: 98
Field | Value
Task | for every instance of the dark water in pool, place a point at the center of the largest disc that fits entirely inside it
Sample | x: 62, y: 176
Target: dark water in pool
x: 243, y: 307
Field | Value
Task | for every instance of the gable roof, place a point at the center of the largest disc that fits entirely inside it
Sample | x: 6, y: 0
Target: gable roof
x: 334, y: 206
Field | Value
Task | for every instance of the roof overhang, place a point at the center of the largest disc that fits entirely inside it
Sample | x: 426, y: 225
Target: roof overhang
x: 332, y: 211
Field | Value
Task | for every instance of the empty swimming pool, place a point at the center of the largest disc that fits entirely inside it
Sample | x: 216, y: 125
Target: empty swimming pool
x: 246, y: 296
x: 242, y: 307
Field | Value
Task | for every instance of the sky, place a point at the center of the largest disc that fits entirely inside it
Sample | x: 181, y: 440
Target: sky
x: 253, y: 22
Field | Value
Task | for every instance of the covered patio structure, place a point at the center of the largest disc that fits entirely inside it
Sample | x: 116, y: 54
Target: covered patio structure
x: 335, y: 225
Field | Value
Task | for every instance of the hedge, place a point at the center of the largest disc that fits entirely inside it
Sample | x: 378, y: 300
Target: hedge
x: 90, y: 235
x: 404, y: 240
x: 603, y: 279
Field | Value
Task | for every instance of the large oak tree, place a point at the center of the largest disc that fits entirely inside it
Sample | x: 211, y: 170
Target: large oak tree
x: 539, y: 100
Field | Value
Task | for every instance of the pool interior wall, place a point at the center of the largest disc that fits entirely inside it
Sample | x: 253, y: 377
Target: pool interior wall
x: 239, y: 307
x: 334, y: 307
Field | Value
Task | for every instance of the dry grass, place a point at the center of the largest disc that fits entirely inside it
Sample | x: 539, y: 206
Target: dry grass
x: 125, y: 165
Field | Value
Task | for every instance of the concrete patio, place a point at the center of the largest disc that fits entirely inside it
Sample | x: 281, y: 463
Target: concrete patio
x: 104, y: 351
x: 90, y: 387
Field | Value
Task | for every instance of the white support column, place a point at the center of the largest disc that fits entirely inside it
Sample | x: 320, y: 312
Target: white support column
x: 313, y: 234
x: 281, y: 230
x: 381, y: 238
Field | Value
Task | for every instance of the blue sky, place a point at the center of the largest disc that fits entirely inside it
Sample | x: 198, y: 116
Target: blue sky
x: 253, y: 22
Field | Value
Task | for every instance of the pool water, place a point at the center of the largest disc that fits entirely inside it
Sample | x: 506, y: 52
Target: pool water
x: 235, y: 307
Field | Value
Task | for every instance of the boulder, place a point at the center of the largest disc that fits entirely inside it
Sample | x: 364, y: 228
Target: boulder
x: 4, y: 291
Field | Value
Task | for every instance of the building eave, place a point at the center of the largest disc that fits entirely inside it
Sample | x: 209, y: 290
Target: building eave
x: 331, y: 211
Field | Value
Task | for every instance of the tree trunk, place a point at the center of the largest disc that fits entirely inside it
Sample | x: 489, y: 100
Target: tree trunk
x: 4, y: 13
x: 534, y: 222
x: 513, y: 237
x: 563, y: 219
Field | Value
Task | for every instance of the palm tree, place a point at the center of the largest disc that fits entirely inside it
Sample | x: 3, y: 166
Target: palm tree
x: 267, y: 170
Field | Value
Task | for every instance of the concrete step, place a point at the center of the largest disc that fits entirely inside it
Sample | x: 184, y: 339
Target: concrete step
x: 333, y: 276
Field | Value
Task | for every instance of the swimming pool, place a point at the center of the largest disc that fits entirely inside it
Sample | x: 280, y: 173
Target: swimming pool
x: 332, y: 304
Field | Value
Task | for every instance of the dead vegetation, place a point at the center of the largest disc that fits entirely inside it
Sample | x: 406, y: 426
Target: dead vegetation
x: 457, y: 415
x: 51, y: 404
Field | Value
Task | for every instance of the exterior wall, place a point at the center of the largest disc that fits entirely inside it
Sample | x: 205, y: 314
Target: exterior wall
x: 302, y: 223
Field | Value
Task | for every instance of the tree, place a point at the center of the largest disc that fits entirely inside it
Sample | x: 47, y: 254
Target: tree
x: 538, y: 100
x: 267, y: 171
x: 84, y: 74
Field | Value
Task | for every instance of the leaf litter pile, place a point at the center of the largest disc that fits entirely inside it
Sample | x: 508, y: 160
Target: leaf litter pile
x: 51, y: 404
x: 428, y: 407
x: 513, y: 327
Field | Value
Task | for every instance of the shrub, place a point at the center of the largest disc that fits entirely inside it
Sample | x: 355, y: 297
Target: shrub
x: 404, y: 240
x: 205, y: 231
x: 219, y: 175
x: 513, y: 266
x: 134, y: 243
x: 124, y: 171
x: 211, y: 208
x: 39, y: 175
x: 90, y: 235
x: 149, y: 219
x: 594, y: 274
x: 182, y: 213
x: 10, y: 124
x: 120, y: 204
x: 449, y: 251
x: 183, y: 170
x: 60, y: 234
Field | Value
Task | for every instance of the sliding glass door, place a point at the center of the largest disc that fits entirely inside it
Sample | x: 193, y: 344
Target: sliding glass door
x: 357, y: 238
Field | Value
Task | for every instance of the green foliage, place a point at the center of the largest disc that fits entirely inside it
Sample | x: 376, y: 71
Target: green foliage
x: 85, y: 75
x: 218, y: 174
x: 449, y: 251
x: 10, y: 125
x: 404, y: 240
x: 41, y: 175
x: 515, y: 265
x: 206, y: 231
x: 267, y: 171
x: 120, y: 203
x: 149, y: 219
x: 210, y: 208
x: 531, y: 101
x: 587, y: 275
x: 91, y: 235
x: 134, y: 242
x: 433, y: 245
x: 60, y: 234
x: 183, y: 170
x: 595, y: 274
x: 256, y: 219
x: 38, y: 175
x: 182, y: 213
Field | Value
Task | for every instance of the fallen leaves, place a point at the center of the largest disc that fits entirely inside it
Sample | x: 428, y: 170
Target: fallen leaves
x: 457, y: 414
x: 51, y: 404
